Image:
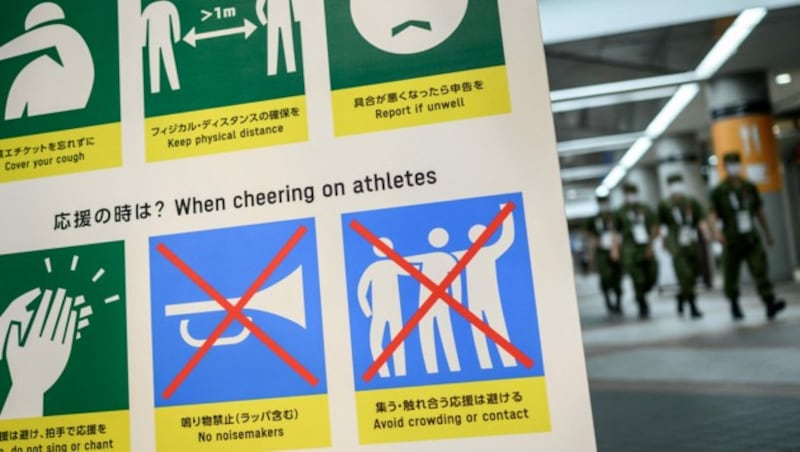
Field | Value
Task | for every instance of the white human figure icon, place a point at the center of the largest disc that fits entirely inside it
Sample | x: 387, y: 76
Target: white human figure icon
x: 380, y: 279
x: 483, y: 290
x: 162, y: 28
x: 36, y: 362
x: 436, y: 265
x: 277, y: 16
x: 409, y: 26
x: 45, y: 85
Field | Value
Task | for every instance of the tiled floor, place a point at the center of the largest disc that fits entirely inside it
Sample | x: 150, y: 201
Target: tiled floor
x: 675, y: 384
x: 659, y: 421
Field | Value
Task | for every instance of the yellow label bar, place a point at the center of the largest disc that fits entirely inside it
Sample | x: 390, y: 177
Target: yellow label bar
x: 269, y: 424
x: 225, y: 129
x: 61, y: 152
x: 108, y: 430
x: 420, y: 101
x: 460, y: 410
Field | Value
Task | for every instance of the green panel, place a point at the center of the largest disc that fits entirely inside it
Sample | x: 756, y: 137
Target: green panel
x: 477, y: 43
x: 225, y: 70
x: 96, y: 376
x: 96, y: 22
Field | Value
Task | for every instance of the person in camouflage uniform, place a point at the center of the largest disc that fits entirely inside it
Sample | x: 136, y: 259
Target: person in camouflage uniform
x: 684, y: 218
x: 637, y: 225
x: 736, y: 203
x: 600, y: 230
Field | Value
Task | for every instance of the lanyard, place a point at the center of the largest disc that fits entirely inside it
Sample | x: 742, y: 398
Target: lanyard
x: 735, y: 202
x: 680, y: 218
x: 636, y: 217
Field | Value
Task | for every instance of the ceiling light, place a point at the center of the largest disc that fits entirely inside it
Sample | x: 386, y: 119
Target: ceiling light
x: 613, y: 177
x: 598, y: 144
x: 613, y: 99
x: 730, y: 41
x: 635, y: 153
x: 638, y: 84
x: 585, y: 172
x: 674, y: 107
x: 783, y: 79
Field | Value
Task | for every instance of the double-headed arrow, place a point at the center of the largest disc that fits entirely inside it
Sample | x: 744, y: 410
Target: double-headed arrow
x: 192, y: 37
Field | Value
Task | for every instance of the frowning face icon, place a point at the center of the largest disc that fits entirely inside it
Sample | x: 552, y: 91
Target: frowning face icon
x: 407, y: 26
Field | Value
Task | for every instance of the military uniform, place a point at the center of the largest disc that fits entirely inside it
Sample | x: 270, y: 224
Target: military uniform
x: 736, y: 202
x: 682, y: 216
x: 634, y: 221
x: 601, y: 227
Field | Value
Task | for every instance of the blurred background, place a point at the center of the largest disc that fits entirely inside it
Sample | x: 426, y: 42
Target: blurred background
x: 642, y: 91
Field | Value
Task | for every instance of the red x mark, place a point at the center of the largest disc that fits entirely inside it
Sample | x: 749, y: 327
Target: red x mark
x: 439, y: 292
x: 235, y: 312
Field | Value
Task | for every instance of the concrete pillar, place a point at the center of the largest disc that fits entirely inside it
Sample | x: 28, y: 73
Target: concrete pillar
x: 741, y: 116
x: 679, y: 154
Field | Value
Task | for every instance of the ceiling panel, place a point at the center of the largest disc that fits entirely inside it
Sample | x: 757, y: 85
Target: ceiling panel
x: 667, y: 50
x: 608, y: 120
x: 661, y: 51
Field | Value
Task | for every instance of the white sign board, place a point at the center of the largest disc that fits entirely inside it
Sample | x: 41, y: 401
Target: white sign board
x: 283, y: 224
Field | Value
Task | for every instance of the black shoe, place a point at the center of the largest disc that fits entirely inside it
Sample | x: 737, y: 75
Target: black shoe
x: 696, y: 314
x: 680, y: 300
x: 617, y: 303
x: 644, y: 309
x: 609, y: 305
x: 736, y: 310
x: 774, y: 308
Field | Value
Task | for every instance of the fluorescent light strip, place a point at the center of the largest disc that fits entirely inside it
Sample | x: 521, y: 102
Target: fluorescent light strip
x: 639, y: 84
x: 598, y: 144
x: 585, y: 172
x: 601, y: 191
x: 674, y: 107
x: 719, y: 54
x: 729, y: 42
x: 612, y: 179
x: 635, y: 153
x: 613, y: 99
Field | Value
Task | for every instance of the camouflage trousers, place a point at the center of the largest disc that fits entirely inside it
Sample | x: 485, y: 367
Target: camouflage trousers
x: 747, y: 249
x: 686, y: 260
x: 642, y: 269
x: 610, y: 272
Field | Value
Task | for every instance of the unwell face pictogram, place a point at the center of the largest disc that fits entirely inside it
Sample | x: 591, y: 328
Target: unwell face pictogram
x: 407, y: 27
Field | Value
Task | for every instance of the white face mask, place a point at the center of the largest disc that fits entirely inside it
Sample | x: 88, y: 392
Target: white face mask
x: 733, y: 169
x: 677, y: 188
x: 632, y: 198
